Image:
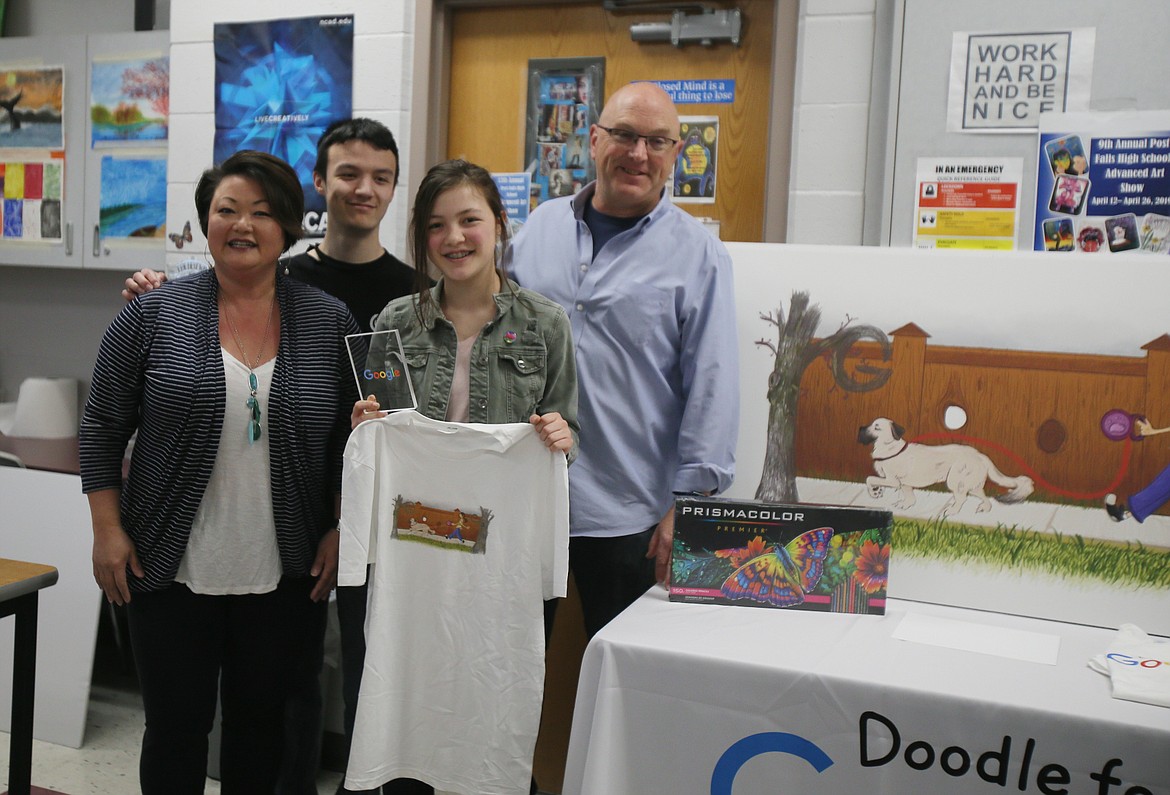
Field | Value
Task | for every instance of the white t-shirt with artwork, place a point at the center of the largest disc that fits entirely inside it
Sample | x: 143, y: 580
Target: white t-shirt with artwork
x: 467, y: 528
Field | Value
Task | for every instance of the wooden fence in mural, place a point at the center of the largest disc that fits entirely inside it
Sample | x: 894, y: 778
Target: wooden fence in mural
x: 1032, y: 412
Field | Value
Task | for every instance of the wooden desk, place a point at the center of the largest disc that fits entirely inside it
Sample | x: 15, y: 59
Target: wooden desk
x: 20, y: 584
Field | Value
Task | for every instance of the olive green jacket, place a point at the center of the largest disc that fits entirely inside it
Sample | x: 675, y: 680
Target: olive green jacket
x: 522, y: 362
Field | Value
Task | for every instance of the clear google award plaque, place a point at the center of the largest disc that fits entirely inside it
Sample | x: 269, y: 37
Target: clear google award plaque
x: 379, y: 369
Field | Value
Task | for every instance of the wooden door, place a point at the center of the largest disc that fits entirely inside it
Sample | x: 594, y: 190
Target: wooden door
x: 491, y: 46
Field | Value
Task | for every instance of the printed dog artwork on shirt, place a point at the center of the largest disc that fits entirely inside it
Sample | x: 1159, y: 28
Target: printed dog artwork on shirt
x: 447, y: 528
x: 1012, y: 412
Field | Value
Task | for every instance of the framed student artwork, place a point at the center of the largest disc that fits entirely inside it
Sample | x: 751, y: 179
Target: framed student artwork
x: 129, y: 100
x: 695, y: 166
x: 564, y: 100
x: 32, y: 107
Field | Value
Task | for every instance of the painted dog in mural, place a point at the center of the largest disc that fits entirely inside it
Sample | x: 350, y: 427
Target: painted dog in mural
x: 906, y: 466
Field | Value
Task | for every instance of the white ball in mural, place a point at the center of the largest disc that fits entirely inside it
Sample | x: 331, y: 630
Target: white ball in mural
x: 954, y: 418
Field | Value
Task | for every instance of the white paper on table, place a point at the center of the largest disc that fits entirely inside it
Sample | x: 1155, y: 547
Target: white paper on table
x: 1014, y: 644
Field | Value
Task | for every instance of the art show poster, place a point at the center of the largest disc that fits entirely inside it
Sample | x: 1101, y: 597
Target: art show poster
x: 278, y: 85
x: 968, y: 202
x: 129, y: 99
x: 1002, y: 82
x: 564, y: 101
x: 31, y: 102
x: 31, y: 203
x: 516, y: 194
x: 1102, y: 183
x: 695, y: 169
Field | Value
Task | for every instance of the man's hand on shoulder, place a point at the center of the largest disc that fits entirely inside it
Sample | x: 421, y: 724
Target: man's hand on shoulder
x: 141, y: 282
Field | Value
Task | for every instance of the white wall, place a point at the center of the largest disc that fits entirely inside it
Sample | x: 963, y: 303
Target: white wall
x: 834, y: 71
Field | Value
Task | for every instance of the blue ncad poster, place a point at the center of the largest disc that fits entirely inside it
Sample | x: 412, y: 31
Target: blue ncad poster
x: 278, y: 85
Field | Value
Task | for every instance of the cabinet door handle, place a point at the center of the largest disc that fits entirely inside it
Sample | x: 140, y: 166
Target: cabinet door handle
x: 68, y: 239
x: 97, y: 240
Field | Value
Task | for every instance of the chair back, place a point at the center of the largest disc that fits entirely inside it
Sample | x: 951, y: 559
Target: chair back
x: 46, y: 408
x: 9, y: 460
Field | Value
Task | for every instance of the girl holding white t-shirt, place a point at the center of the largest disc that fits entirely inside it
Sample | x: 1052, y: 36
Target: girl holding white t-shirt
x: 479, y: 347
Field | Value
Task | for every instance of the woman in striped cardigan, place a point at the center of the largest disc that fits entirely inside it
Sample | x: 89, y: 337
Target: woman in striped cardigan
x: 221, y: 539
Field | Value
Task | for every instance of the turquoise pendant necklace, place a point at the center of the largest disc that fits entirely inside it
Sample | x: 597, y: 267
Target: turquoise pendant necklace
x: 252, y: 403
x: 254, y: 407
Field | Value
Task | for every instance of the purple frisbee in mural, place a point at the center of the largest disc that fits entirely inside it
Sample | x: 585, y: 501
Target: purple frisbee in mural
x: 1117, y: 424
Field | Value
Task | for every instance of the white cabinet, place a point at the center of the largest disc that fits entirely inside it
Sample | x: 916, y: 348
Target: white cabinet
x: 64, y: 192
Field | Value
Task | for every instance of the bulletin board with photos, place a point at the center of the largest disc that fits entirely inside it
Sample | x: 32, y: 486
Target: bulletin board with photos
x: 564, y: 100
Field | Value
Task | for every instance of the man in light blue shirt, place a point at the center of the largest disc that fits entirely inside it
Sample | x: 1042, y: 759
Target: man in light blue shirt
x: 649, y: 295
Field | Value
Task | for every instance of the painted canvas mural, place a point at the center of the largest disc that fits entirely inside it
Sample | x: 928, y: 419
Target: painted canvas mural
x: 1006, y: 408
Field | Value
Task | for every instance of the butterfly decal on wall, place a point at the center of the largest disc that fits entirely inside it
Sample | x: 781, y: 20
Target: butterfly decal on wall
x: 180, y: 239
x: 779, y: 576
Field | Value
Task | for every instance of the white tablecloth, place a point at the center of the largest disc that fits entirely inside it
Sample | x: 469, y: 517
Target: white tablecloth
x: 678, y: 698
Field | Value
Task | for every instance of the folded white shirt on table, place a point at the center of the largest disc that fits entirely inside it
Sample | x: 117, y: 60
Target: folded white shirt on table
x: 1138, y: 665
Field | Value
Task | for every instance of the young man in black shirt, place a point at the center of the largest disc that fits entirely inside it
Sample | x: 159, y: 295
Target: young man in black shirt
x: 357, y: 172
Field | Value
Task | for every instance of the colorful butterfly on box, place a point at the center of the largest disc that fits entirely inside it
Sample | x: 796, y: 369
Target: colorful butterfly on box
x: 779, y: 576
x: 180, y: 239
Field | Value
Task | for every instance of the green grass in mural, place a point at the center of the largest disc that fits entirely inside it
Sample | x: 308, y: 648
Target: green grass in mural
x: 1065, y: 556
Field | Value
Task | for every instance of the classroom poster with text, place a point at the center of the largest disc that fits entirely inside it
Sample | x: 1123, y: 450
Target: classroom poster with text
x: 967, y: 202
x: 1002, y: 82
x: 278, y: 85
x: 1102, y: 183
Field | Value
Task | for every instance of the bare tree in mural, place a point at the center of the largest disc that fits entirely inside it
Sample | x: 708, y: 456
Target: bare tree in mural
x: 794, y: 350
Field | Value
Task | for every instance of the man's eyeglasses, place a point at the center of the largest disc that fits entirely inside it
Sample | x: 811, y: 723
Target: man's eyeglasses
x: 655, y: 143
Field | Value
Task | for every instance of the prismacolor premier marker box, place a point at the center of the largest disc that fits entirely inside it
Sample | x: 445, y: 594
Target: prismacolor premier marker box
x: 804, y: 557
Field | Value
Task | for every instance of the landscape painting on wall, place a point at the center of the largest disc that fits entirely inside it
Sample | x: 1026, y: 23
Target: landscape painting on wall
x: 130, y: 100
x: 31, y: 101
x: 994, y: 403
x: 134, y: 197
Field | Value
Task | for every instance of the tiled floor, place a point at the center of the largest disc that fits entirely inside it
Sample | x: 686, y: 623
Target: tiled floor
x: 107, y: 763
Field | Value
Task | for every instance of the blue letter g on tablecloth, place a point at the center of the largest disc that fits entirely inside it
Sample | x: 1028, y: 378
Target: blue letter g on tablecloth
x: 740, y: 752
